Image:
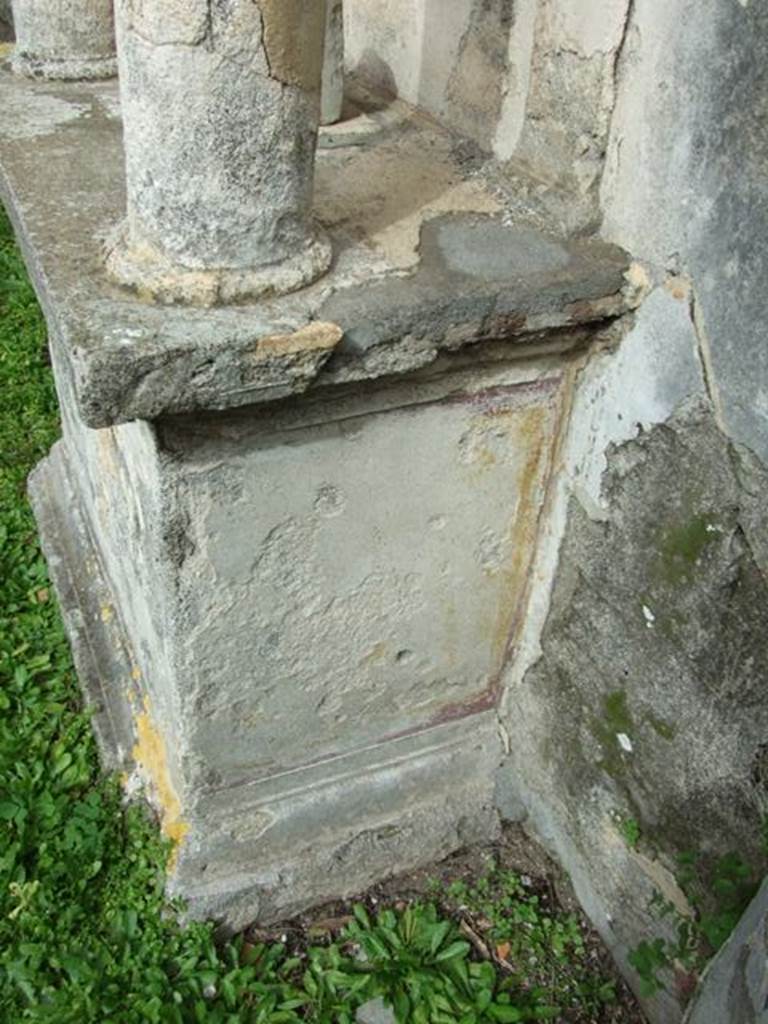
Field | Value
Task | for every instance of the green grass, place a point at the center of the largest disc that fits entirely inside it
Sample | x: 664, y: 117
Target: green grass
x: 85, y: 930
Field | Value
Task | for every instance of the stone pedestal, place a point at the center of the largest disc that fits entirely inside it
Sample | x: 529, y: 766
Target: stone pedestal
x: 64, y: 39
x: 220, y: 107
x: 292, y: 540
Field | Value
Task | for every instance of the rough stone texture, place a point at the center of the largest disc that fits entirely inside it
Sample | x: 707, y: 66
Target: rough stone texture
x: 332, y: 99
x: 220, y: 115
x: 300, y: 531
x: 735, y: 986
x: 685, y: 181
x: 620, y: 393
x: 63, y: 39
x: 648, y: 701
x: 426, y: 264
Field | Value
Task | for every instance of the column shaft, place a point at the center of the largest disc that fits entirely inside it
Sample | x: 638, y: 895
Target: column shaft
x: 64, y: 39
x: 221, y: 106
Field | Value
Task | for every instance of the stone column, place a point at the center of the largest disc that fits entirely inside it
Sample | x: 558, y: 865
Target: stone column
x: 333, y: 65
x: 64, y: 39
x: 221, y: 105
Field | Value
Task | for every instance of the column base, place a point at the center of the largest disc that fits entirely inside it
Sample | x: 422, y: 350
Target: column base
x: 151, y: 274
x: 68, y: 69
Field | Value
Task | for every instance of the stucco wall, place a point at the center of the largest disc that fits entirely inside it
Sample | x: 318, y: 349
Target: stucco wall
x: 638, y: 690
x: 685, y: 183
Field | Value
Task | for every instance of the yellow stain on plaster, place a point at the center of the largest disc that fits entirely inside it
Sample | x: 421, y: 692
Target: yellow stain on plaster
x: 151, y: 755
x: 107, y: 613
x: 533, y: 436
x: 136, y: 673
x: 377, y: 653
x: 679, y: 288
x: 108, y: 452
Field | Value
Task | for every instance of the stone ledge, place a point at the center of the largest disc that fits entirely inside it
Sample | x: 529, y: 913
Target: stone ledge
x: 426, y: 261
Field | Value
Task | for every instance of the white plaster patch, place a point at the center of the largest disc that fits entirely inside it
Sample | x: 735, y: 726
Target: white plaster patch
x: 761, y: 403
x: 624, y: 742
x: 649, y: 617
x: 30, y: 114
x: 587, y: 29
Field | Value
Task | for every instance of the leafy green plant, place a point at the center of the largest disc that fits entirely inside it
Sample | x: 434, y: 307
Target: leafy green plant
x: 630, y: 829
x: 718, y: 895
x: 419, y: 963
x: 543, y: 947
x: 84, y: 926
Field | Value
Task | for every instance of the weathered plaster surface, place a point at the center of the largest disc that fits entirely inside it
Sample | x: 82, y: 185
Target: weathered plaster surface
x: 638, y: 674
x: 621, y: 394
x: 345, y: 573
x: 569, y: 100
x: 311, y: 531
x: 685, y: 180
x: 642, y: 695
x: 667, y: 726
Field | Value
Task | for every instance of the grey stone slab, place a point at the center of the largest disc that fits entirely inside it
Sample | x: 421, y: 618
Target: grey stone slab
x: 403, y: 283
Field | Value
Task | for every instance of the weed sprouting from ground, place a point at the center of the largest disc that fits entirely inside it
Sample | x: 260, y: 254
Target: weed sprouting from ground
x: 540, y: 946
